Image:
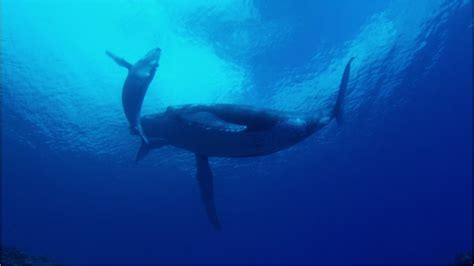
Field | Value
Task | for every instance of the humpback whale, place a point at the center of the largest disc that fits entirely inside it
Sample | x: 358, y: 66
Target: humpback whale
x: 135, y: 86
x: 230, y: 130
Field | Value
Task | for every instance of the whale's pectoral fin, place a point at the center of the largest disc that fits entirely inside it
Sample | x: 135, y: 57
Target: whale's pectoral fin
x: 120, y: 61
x: 338, y: 108
x: 209, y: 120
x: 145, y: 147
x: 205, y: 179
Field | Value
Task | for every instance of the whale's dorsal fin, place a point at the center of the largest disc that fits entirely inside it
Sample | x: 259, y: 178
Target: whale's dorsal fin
x: 206, y: 185
x: 209, y: 120
x: 120, y: 61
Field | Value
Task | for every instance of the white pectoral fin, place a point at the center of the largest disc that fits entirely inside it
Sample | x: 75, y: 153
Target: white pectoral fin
x: 211, y: 121
x: 206, y: 185
x: 120, y: 61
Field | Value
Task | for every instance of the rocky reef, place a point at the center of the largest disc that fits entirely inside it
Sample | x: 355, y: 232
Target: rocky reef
x: 464, y: 259
x: 15, y: 257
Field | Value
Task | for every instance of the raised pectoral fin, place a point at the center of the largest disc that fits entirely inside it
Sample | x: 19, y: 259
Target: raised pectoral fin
x: 338, y: 108
x: 206, y: 185
x: 120, y: 61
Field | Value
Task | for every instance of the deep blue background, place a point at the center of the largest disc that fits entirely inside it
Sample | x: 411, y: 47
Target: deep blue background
x: 391, y: 185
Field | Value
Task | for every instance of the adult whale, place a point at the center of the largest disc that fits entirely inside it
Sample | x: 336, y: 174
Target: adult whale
x: 135, y: 86
x: 229, y: 130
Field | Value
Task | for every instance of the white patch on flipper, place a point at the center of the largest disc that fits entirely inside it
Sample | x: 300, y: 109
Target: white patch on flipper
x: 297, y: 122
x: 209, y: 121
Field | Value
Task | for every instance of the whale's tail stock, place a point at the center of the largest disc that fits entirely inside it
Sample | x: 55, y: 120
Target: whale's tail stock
x: 338, y: 108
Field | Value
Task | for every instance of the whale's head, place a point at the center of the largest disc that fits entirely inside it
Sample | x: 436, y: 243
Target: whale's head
x: 146, y: 67
x: 152, y: 58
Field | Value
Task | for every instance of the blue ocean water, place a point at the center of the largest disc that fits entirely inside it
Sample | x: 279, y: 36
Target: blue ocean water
x: 393, y: 184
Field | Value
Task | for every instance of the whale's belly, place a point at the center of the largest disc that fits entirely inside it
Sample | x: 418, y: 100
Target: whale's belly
x: 133, y: 93
x: 221, y: 143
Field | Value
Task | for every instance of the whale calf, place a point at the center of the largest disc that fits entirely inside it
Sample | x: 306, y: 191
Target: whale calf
x: 135, y: 86
x: 230, y: 130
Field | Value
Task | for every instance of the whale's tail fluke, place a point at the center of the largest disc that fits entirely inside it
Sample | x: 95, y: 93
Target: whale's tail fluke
x: 142, y: 151
x: 145, y: 147
x: 338, y: 108
x: 142, y: 135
